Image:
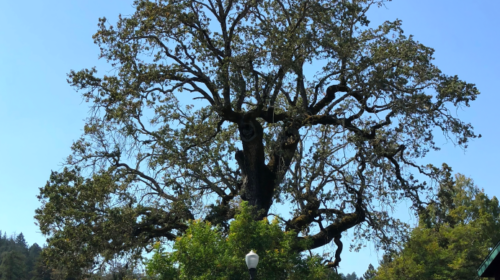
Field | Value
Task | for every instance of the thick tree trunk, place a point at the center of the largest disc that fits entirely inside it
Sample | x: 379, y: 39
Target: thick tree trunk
x: 259, y: 181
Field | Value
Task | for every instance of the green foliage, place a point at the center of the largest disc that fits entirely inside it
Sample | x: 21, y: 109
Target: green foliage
x: 350, y: 276
x: 453, y: 237
x: 41, y: 271
x: 205, y: 252
x: 70, y: 194
x: 13, y: 266
x: 21, y: 242
x: 33, y: 255
x: 17, y: 259
x: 370, y: 273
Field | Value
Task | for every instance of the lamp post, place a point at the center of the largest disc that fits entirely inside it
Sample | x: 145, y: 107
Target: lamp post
x: 252, y: 260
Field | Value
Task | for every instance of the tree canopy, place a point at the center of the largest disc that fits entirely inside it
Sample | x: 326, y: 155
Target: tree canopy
x: 452, y: 238
x: 213, y: 102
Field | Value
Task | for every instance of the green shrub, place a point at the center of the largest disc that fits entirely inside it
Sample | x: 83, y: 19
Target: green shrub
x: 205, y: 252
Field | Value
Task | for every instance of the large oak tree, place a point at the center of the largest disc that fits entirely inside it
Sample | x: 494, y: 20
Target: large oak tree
x: 211, y: 102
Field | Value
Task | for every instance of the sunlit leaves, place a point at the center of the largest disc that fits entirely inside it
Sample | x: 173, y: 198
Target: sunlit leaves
x: 206, y: 252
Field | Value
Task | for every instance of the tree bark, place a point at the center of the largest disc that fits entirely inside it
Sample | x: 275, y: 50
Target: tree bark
x: 258, y: 181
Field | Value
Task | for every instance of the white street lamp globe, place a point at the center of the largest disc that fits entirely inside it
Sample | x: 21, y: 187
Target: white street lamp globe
x: 252, y: 260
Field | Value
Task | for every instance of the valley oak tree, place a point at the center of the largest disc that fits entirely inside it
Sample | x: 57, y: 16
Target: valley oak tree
x: 212, y: 102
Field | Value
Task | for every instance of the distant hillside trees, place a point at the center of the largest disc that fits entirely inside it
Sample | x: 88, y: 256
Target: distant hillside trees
x: 17, y: 259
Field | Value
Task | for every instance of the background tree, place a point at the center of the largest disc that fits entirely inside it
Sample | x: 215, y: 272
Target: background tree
x: 350, y: 276
x: 21, y: 242
x: 13, y: 257
x: 21, y: 262
x: 333, y: 142
x: 453, y: 237
x: 33, y: 255
x: 370, y: 273
x: 41, y: 271
x: 13, y: 266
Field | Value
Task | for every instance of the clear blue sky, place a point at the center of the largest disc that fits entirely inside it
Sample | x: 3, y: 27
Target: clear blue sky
x: 40, y: 115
